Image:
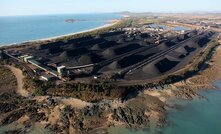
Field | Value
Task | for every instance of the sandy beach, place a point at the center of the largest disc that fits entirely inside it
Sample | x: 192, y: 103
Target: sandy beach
x: 109, y: 23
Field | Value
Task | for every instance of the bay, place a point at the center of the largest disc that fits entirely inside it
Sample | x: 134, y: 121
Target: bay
x: 18, y: 29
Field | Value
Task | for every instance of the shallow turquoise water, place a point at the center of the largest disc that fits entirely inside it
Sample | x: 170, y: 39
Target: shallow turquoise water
x: 200, y: 116
x: 18, y: 29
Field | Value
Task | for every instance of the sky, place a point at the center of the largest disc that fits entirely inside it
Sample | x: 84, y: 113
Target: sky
x: 38, y: 7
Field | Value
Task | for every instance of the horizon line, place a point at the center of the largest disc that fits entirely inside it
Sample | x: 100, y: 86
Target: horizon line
x: 160, y: 12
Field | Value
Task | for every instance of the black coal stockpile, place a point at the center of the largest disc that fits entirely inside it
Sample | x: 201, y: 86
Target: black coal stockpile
x: 104, y: 45
x: 121, y: 40
x: 127, y: 48
x: 111, y: 34
x: 74, y: 52
x: 175, y: 41
x: 144, y: 35
x: 192, y: 33
x: 113, y: 66
x: 130, y: 60
x: 50, y: 45
x: 54, y: 50
x: 165, y: 65
x: 163, y: 46
x: 203, y: 41
x: 90, y: 59
x: 72, y: 41
x: 182, y: 37
x: 110, y: 52
x: 92, y: 42
x: 189, y: 49
x: 171, y: 42
x: 86, y: 43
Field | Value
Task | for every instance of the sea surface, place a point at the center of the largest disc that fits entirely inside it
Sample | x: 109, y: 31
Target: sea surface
x: 18, y: 29
x: 198, y: 116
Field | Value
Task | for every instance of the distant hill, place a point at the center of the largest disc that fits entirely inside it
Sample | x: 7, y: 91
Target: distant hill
x: 143, y: 14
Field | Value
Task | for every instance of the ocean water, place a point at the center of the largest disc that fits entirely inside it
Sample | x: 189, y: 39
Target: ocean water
x: 199, y: 116
x: 17, y: 29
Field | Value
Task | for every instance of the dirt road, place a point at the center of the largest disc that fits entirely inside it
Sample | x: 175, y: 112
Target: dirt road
x: 19, y: 76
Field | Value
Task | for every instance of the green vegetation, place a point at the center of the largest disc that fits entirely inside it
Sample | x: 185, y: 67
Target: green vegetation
x: 7, y: 80
x: 121, y: 24
x: 88, y: 92
x: 41, y: 87
x: 147, y: 20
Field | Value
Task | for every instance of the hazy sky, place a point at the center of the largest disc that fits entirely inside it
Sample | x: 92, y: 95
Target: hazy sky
x: 30, y: 7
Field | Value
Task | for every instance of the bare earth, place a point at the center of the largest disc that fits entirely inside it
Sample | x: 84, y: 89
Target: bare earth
x: 76, y: 103
x: 19, y: 76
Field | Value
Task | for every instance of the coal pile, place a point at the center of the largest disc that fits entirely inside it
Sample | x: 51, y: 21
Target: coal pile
x: 110, y: 52
x: 92, y: 42
x: 174, y: 41
x: 182, y: 37
x: 104, y: 45
x: 85, y: 43
x: 150, y: 41
x: 202, y: 41
x: 111, y: 33
x: 50, y: 45
x: 130, y: 60
x: 113, y: 66
x: 164, y: 46
x: 73, y: 41
x: 165, y: 65
x: 146, y: 72
x: 154, y: 69
x: 121, y: 40
x: 127, y: 48
x: 73, y: 53
x: 192, y: 33
x: 73, y: 46
x: 54, y: 50
x: 171, y: 61
x: 177, y: 55
x: 145, y: 35
x: 90, y: 59
x: 189, y: 49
